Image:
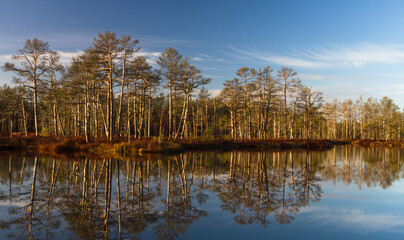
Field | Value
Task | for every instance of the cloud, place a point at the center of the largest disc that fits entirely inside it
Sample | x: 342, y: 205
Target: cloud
x: 334, y: 56
x: 212, y: 92
x: 201, y: 57
x: 162, y: 42
x: 197, y: 59
x: 284, y: 60
x: 344, y: 91
x: 349, y: 90
x: 151, y: 57
x: 353, y: 218
x: 292, y: 61
x: 5, y: 58
x: 147, y: 54
x: 213, y: 76
x: 398, y: 88
x: 67, y: 57
x: 315, y: 77
x: 359, y: 54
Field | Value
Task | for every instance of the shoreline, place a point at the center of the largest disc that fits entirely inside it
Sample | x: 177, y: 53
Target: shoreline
x: 118, y: 148
x: 378, y: 143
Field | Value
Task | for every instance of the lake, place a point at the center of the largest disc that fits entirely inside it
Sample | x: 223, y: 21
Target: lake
x: 343, y: 193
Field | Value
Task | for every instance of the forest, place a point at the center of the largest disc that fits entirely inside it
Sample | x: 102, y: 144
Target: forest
x: 111, y: 91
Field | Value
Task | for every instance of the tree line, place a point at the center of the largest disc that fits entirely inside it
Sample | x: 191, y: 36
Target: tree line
x: 109, y: 90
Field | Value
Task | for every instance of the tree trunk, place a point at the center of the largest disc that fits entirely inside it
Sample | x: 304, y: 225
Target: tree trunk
x: 36, y: 108
x: 24, y: 117
x: 122, y: 88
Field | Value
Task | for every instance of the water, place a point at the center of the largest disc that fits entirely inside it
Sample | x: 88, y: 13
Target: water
x: 343, y: 193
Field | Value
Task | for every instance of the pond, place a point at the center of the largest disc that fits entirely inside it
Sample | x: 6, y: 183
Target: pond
x: 343, y: 193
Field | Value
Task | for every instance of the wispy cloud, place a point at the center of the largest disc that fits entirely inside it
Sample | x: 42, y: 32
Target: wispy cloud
x: 67, y: 57
x: 353, y: 218
x: 213, y: 76
x: 316, y: 77
x: 148, y: 54
x: 151, y: 56
x: 197, y: 59
x: 212, y: 92
x: 201, y: 57
x: 5, y: 58
x: 344, y: 91
x: 336, y: 55
x: 285, y: 60
x: 159, y: 42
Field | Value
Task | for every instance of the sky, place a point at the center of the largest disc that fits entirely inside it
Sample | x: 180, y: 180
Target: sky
x: 345, y: 49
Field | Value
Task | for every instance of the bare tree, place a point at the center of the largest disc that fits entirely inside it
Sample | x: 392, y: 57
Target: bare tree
x: 286, y: 80
x: 33, y: 61
x: 169, y: 67
x: 108, y: 49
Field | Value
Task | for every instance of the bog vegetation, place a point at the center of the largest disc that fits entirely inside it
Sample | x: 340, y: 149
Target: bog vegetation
x: 111, y: 91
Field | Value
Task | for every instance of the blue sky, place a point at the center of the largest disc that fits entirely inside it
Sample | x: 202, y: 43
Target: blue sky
x: 342, y: 48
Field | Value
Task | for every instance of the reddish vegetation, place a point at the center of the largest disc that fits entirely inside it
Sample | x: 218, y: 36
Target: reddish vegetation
x: 78, y: 146
x: 258, y: 144
x: 119, y: 147
x: 378, y: 143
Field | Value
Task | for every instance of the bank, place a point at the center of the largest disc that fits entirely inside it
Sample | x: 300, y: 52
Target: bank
x: 102, y: 147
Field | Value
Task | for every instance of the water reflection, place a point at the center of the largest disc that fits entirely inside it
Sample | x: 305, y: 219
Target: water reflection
x: 92, y: 199
x: 261, y: 184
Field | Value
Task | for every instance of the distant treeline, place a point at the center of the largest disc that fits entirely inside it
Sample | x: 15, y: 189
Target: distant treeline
x: 109, y: 90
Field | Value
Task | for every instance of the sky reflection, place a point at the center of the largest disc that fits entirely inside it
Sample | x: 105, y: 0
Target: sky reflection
x: 346, y: 192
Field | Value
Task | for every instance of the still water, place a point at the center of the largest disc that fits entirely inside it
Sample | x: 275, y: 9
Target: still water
x: 343, y: 193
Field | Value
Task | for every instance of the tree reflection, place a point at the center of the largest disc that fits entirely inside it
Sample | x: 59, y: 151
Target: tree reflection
x: 110, y: 199
x: 179, y: 210
x: 32, y: 218
x: 257, y: 187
